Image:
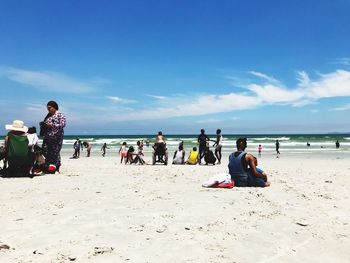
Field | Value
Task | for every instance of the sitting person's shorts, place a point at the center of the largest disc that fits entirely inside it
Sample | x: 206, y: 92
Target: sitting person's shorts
x: 255, y: 181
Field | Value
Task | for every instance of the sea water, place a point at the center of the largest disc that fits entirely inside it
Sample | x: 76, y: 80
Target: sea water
x: 288, y: 143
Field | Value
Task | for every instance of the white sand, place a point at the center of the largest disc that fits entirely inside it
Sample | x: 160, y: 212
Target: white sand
x: 97, y: 210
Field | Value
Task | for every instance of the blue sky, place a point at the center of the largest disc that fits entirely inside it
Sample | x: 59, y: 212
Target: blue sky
x: 136, y: 67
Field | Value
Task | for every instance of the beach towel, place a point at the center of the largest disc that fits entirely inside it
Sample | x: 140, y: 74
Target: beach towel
x: 222, y: 180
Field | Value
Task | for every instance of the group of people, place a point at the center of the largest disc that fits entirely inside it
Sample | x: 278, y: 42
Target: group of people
x: 79, y: 146
x: 21, y: 152
x: 204, y: 151
x: 242, y: 166
x: 129, y: 155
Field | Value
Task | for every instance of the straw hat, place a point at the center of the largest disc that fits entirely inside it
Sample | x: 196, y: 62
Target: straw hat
x: 17, y: 125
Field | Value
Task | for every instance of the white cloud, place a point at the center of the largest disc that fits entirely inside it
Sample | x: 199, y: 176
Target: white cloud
x: 342, y: 61
x: 271, y: 94
x: 303, y: 79
x: 36, y: 107
x: 156, y: 97
x: 208, y: 121
x: 306, y: 92
x: 335, y: 84
x: 342, y: 108
x: 120, y: 100
x: 264, y: 76
x: 46, y: 80
x: 314, y: 111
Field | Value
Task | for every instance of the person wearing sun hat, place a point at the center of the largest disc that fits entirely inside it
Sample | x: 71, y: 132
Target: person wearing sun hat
x: 52, y: 131
x: 17, y: 127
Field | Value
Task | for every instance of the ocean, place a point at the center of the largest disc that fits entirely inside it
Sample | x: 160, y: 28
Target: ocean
x: 288, y: 143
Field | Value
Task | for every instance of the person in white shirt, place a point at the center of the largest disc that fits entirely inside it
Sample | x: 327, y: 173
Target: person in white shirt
x: 218, y: 145
x: 33, y: 138
x: 179, y: 156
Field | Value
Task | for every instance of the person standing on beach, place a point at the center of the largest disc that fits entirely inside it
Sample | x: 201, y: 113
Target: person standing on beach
x: 123, y: 151
x: 103, y: 149
x: 52, y: 131
x: 259, y: 150
x: 337, y: 144
x: 278, y: 148
x: 203, y: 140
x: 77, y: 146
x: 218, y: 145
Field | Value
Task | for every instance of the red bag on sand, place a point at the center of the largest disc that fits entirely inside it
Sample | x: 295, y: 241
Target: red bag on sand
x: 230, y: 185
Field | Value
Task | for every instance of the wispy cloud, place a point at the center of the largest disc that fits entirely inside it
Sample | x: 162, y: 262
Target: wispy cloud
x: 48, y: 80
x: 35, y: 107
x: 120, y: 100
x: 307, y: 91
x: 342, y: 61
x: 342, y: 108
x: 156, y: 97
x: 264, y: 76
x: 315, y: 111
x: 209, y: 121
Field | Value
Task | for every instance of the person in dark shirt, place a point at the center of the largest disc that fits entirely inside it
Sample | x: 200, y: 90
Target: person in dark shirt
x: 203, y: 140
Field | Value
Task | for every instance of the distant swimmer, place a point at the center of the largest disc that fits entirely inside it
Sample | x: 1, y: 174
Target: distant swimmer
x: 337, y: 144
x: 103, y: 149
x: 308, y: 144
x: 278, y: 148
x: 259, y: 150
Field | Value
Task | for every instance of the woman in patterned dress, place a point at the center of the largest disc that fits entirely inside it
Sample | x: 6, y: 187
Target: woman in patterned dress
x: 53, y: 131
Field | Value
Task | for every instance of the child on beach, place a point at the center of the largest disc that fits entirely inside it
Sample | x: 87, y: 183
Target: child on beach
x: 259, y: 170
x: 103, y: 149
x: 88, y: 147
x: 139, y: 158
x: 259, y: 150
x: 123, y: 152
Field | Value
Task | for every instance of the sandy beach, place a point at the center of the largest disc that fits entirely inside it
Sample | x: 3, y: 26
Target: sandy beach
x: 97, y: 210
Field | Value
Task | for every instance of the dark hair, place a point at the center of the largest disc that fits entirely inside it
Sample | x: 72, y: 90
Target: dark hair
x: 124, y: 143
x: 53, y: 104
x: 181, y: 147
x: 218, y: 131
x: 160, y: 133
x: 241, y: 143
x: 202, y: 131
x: 32, y: 130
x: 195, y: 149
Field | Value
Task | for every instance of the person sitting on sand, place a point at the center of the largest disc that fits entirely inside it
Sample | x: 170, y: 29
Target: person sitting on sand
x: 209, y: 157
x: 193, y: 157
x: 242, y: 167
x: 259, y: 170
x: 139, y: 155
x: 179, y: 155
x: 130, y: 155
x: 160, y: 141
